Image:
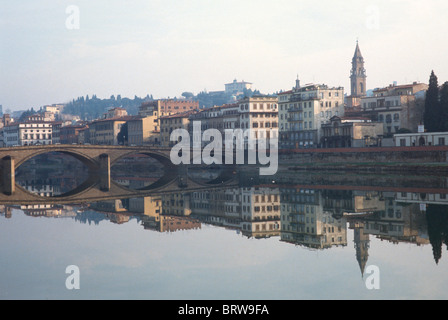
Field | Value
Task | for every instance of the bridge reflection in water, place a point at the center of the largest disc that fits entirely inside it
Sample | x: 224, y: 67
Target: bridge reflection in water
x: 99, y: 185
x: 311, y: 210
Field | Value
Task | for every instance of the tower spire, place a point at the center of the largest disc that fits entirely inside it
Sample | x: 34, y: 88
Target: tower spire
x: 297, y: 83
x: 358, y: 74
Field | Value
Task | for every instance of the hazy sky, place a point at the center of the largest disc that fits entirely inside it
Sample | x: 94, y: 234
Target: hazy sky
x: 164, y: 48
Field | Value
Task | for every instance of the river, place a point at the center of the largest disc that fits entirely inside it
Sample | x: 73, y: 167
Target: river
x: 298, y: 235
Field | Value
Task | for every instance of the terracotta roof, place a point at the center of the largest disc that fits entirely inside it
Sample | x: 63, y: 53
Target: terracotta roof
x: 124, y: 118
x: 180, y: 115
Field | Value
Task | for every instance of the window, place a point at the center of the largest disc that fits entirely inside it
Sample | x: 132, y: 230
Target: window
x: 441, y: 141
x: 402, y: 142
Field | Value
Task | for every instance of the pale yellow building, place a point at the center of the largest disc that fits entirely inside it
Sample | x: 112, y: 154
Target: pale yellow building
x: 105, y: 131
x: 259, y: 115
x: 396, y: 106
x: 260, y: 212
x: 143, y: 131
x: 172, y: 122
x: 176, y: 204
x: 115, y: 112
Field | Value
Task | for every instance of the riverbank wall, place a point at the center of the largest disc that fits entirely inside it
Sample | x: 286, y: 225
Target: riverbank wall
x: 420, y: 160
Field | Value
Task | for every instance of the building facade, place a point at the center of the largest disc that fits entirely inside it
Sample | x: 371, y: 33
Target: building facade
x: 237, y: 87
x: 172, y: 122
x: 304, y: 221
x: 70, y: 134
x: 143, y: 131
x: 220, y: 118
x: 259, y: 115
x: 396, y: 106
x: 421, y: 139
x: 165, y: 107
x: 105, y: 131
x: 115, y: 113
x: 344, y: 132
x: 24, y: 134
x: 303, y: 110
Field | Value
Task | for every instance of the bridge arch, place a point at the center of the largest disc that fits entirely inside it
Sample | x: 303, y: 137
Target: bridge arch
x: 91, y: 163
x: 162, y: 158
x: 170, y: 170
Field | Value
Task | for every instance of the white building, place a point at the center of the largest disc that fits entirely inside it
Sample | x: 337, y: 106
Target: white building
x: 303, y: 110
x: 24, y: 134
x: 256, y: 116
x: 56, y: 109
x: 421, y: 139
x: 236, y: 87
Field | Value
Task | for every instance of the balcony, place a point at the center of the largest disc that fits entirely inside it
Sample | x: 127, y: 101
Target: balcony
x: 303, y: 97
x: 295, y: 119
x: 295, y: 109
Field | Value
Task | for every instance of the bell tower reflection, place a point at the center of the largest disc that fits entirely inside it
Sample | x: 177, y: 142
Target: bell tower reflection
x: 362, y: 244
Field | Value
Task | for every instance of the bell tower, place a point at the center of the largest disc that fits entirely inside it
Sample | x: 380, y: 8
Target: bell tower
x: 358, y: 74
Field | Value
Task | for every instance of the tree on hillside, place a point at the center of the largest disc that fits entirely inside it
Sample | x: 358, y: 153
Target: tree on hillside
x: 433, y: 113
x: 188, y: 95
x: 26, y: 114
x: 444, y: 106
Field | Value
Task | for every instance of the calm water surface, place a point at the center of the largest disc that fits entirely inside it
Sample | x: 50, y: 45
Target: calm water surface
x: 278, y: 241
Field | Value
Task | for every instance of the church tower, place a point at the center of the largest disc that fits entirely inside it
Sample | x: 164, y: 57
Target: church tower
x: 362, y: 245
x: 358, y: 74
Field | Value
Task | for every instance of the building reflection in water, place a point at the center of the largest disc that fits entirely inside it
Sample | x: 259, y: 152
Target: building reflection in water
x: 315, y: 219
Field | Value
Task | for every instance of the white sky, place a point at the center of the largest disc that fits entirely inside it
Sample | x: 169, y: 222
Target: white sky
x: 167, y: 47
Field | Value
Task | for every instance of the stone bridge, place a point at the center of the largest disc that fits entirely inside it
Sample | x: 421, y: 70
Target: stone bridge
x: 99, y: 160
